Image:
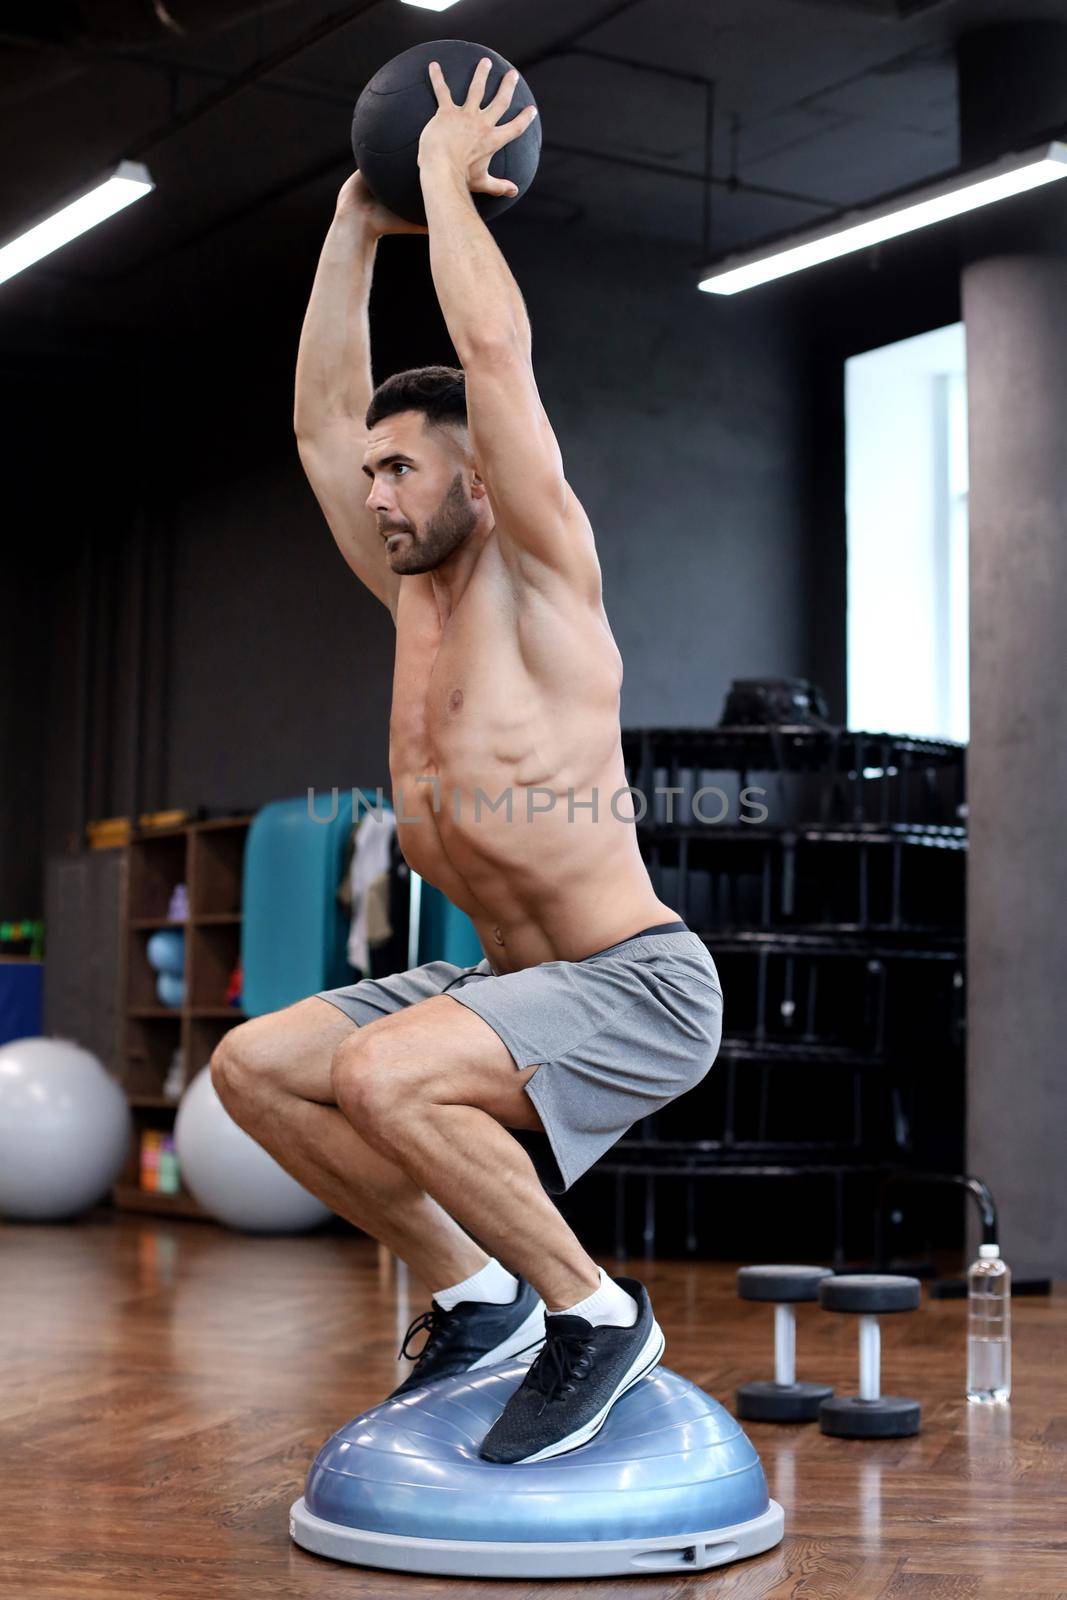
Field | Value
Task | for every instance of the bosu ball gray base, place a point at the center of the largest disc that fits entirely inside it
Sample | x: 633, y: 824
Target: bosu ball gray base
x: 670, y: 1484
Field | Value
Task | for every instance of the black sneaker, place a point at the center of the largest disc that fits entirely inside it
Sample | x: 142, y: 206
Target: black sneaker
x: 564, y: 1399
x: 473, y: 1334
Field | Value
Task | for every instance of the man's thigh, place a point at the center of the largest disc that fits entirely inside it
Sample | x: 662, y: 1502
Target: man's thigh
x: 441, y: 1052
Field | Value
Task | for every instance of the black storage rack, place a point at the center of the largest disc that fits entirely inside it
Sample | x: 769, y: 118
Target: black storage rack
x: 836, y: 919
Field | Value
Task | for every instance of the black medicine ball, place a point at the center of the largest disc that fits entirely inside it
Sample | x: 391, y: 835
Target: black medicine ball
x: 399, y: 101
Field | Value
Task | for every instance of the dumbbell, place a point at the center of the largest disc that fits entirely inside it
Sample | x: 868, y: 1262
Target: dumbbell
x: 784, y: 1400
x: 869, y: 1414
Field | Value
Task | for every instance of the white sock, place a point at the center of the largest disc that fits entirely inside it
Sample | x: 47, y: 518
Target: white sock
x: 491, y: 1283
x: 608, y: 1303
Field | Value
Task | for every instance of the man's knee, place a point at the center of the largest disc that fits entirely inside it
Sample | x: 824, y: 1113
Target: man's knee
x: 242, y: 1062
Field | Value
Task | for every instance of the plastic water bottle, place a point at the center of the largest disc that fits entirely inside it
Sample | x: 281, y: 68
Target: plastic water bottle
x: 988, y: 1328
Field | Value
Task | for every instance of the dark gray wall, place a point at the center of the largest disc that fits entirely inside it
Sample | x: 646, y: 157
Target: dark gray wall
x: 205, y: 644
x: 681, y: 431
x: 37, y: 511
x: 680, y: 434
x: 281, y: 660
x: 211, y: 646
x: 23, y: 652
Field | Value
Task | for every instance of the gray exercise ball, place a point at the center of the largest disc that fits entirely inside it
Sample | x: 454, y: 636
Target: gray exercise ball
x: 399, y: 101
x: 232, y: 1176
x: 64, y: 1129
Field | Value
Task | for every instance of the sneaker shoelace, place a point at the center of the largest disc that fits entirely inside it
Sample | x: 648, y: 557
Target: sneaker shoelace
x: 433, y: 1323
x: 563, y: 1359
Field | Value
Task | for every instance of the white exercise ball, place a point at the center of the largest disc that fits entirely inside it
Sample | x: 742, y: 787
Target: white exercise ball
x: 64, y: 1129
x: 233, y: 1177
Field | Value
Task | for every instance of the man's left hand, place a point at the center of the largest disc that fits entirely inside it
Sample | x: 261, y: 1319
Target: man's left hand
x: 467, y: 136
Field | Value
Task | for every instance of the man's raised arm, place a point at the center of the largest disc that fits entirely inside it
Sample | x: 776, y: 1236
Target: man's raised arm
x: 539, y: 521
x: 334, y: 382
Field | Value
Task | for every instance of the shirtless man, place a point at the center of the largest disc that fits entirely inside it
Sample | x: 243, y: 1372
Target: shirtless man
x: 398, y: 1100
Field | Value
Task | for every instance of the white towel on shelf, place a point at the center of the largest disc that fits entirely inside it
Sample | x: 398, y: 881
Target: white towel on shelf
x: 370, y: 858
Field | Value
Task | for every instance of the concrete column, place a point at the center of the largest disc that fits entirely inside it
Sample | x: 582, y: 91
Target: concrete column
x: 1013, y: 87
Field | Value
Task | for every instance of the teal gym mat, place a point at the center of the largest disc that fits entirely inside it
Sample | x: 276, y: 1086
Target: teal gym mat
x: 294, y: 932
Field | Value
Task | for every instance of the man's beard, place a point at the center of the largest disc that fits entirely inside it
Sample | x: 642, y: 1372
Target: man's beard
x: 452, y: 523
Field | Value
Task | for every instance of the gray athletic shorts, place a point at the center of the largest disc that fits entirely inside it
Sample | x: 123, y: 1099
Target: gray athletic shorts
x: 617, y: 1035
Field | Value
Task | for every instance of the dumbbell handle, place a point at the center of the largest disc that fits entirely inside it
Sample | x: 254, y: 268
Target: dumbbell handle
x: 785, y: 1345
x: 870, y: 1358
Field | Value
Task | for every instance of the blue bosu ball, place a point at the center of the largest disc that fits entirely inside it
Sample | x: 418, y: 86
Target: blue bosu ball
x: 670, y: 1484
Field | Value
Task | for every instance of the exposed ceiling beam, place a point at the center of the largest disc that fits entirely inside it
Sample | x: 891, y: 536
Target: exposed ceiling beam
x: 661, y: 169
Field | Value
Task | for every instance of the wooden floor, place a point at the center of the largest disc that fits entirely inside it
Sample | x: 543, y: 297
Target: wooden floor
x: 164, y: 1385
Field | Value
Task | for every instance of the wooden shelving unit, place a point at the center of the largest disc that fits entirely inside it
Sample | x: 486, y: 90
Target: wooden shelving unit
x: 208, y: 857
x: 130, y: 1197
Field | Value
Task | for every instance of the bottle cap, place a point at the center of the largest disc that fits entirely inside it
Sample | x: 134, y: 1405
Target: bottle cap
x: 989, y: 1252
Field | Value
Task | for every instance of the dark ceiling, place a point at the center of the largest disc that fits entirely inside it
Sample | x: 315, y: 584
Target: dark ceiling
x: 241, y: 112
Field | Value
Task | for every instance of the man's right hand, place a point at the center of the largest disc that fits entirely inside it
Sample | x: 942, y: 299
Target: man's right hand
x: 355, y: 199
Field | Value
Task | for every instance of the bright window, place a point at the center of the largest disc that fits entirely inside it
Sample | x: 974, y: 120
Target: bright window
x: 906, y: 507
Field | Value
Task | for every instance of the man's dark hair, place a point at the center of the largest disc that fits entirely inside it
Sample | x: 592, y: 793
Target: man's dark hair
x: 438, y: 392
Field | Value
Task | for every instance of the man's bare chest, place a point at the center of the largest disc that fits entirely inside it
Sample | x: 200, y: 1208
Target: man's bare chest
x: 462, y: 691
x: 495, y: 678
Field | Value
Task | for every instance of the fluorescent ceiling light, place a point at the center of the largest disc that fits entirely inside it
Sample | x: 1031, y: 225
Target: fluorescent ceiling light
x: 858, y: 229
x: 126, y: 183
x: 431, y: 5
